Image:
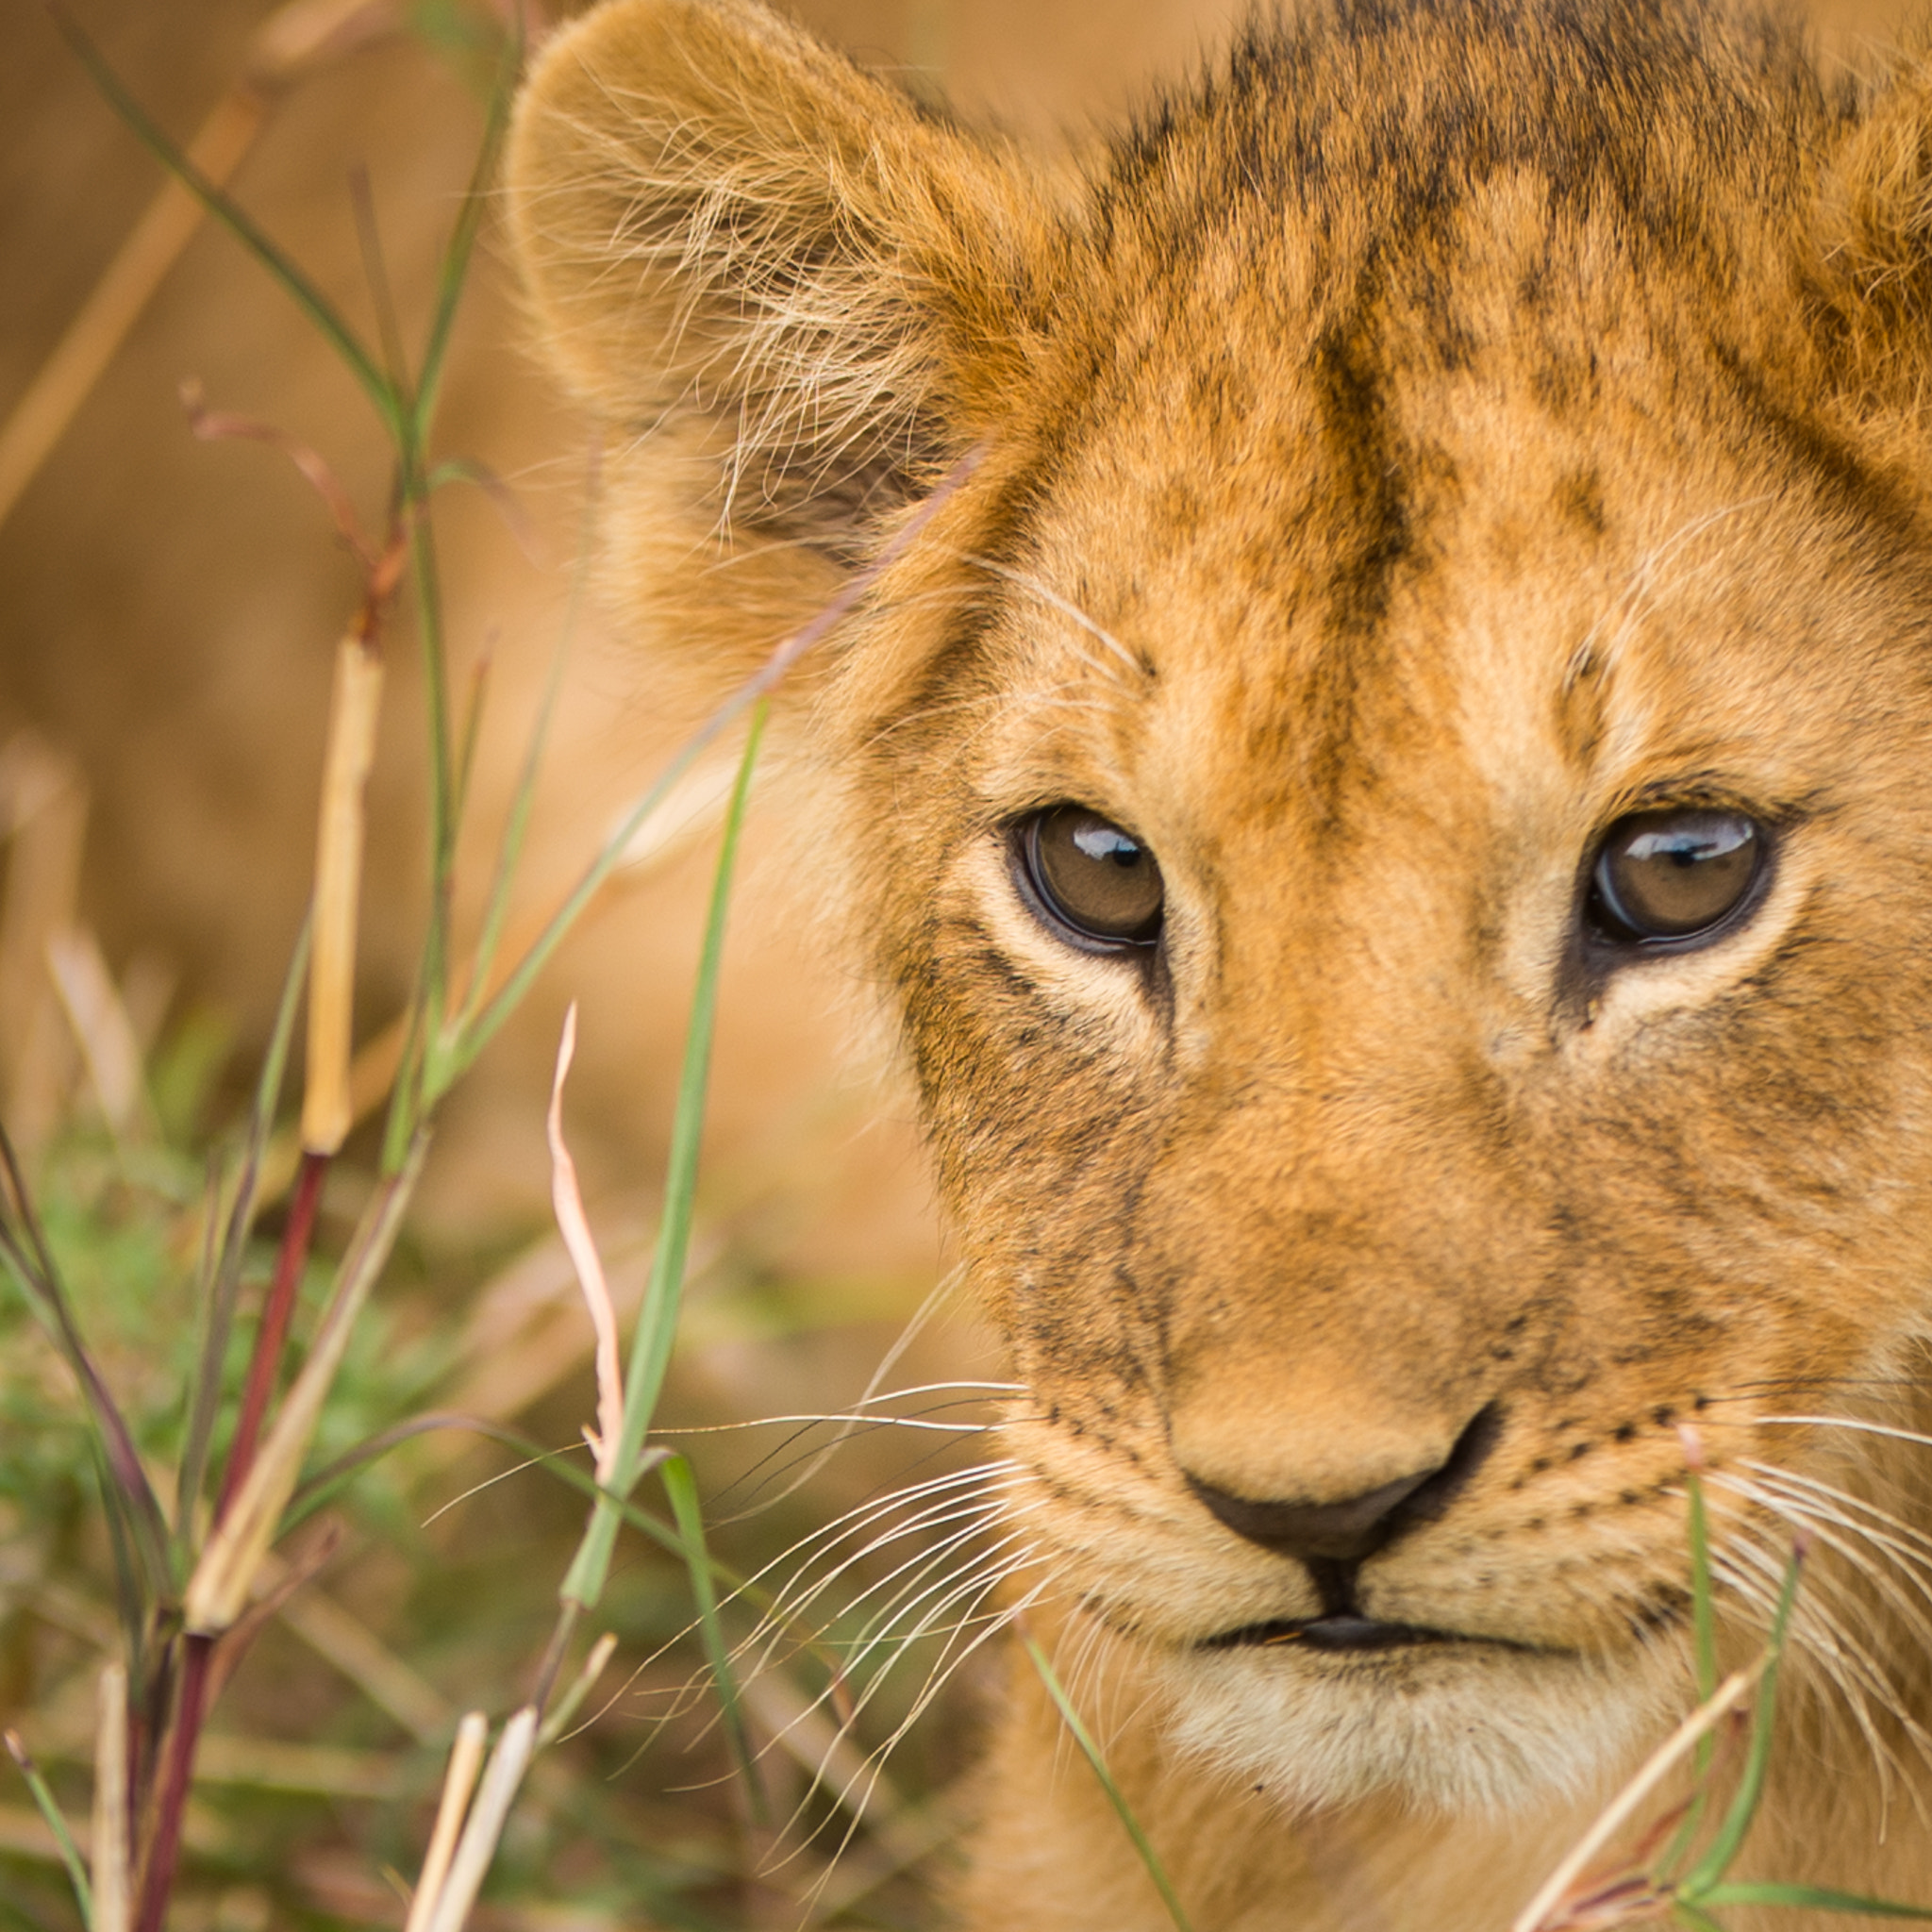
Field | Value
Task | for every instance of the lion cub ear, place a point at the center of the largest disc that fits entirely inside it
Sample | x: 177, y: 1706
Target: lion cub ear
x: 793, y: 293
x: 1873, y: 237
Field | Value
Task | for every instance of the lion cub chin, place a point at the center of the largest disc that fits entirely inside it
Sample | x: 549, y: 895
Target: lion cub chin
x: 1378, y: 751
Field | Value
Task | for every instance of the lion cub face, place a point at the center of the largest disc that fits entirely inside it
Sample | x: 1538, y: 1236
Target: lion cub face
x: 1392, y: 795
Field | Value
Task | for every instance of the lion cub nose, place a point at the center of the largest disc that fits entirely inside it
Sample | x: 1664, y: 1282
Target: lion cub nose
x: 1344, y: 1532
x: 1352, y: 1529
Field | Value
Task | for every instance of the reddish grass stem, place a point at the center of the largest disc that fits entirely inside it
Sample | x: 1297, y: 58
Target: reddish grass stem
x: 272, y: 1337
x: 171, y: 1799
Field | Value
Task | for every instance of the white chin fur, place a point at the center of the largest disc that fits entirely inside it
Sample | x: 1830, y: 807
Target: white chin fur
x: 1447, y: 1730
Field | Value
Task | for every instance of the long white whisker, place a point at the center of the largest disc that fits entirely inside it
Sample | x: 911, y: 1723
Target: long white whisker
x: 1054, y: 601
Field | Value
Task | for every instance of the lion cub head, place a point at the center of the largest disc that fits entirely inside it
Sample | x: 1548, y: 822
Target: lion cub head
x: 1393, y: 791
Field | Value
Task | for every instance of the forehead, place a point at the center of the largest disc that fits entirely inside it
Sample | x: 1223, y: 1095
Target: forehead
x: 1572, y: 551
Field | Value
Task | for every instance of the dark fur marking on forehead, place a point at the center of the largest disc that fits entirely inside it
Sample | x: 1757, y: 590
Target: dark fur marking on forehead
x: 1372, y: 509
x: 1625, y: 109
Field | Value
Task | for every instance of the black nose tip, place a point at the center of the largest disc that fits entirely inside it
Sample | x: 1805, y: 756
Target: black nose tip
x: 1354, y: 1529
x: 1344, y: 1532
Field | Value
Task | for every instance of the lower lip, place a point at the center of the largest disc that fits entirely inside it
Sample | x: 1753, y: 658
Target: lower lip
x: 1341, y: 1633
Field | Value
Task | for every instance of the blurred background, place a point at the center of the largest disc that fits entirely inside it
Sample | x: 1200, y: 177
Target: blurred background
x: 169, y: 608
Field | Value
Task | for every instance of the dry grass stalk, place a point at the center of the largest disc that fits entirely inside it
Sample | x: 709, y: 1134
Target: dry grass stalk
x: 110, y: 1851
x: 102, y: 1028
x: 327, y: 1109
x: 575, y: 1226
x: 68, y: 376
x: 290, y: 42
x: 1537, y: 1915
x: 43, y: 807
x: 459, y: 1780
x: 478, y: 1848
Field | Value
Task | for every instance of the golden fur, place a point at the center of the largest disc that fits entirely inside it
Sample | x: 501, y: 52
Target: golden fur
x: 1450, y: 428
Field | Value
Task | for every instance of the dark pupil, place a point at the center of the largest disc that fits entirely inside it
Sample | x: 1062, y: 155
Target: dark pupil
x: 1098, y: 878
x: 1668, y: 875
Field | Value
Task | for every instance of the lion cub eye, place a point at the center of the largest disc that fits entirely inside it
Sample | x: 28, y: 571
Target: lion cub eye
x: 1092, y: 878
x: 1674, y: 874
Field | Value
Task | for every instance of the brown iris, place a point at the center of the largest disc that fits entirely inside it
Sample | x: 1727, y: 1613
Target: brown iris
x: 1096, y: 880
x: 1676, y: 874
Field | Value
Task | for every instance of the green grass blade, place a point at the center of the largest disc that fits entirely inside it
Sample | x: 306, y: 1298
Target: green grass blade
x: 1697, y: 1920
x: 454, y: 266
x: 658, y: 1318
x: 509, y: 850
x: 1082, y: 1737
x: 129, y: 1604
x: 656, y: 1323
x: 1814, y: 1898
x: 472, y: 732
x: 478, y: 1031
x: 1703, y: 1598
x: 427, y: 587
x: 326, y: 319
x: 1743, y: 1806
x: 675, y: 1474
x: 218, y: 1313
x: 50, y: 1811
x: 1703, y: 1631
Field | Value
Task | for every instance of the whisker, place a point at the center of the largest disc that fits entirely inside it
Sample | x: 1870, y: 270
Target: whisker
x: 1022, y: 580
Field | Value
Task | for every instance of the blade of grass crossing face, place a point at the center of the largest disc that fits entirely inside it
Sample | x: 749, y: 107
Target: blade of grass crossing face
x: 218, y: 1315
x: 1813, y: 1898
x: 1703, y: 1599
x: 680, y: 1485
x: 1743, y: 1806
x: 1704, y: 1636
x: 300, y: 289
x: 656, y: 1323
x: 1082, y: 1737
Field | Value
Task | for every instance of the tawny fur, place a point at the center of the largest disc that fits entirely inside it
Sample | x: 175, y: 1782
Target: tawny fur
x: 1448, y: 429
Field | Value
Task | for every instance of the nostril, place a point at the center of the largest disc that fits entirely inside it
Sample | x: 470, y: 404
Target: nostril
x: 1479, y: 1436
x: 1350, y: 1530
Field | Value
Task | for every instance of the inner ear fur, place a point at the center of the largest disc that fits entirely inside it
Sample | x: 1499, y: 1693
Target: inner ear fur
x: 794, y: 296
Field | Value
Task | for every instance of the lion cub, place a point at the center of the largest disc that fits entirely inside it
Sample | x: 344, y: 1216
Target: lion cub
x: 1393, y: 792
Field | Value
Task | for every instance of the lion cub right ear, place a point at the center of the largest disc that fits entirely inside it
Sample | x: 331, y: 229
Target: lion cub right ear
x: 804, y: 292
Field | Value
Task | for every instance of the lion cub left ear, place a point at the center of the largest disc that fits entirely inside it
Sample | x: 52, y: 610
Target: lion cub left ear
x: 732, y: 234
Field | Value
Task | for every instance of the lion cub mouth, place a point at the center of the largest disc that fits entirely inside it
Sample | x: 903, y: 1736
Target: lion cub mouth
x: 1344, y: 1632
